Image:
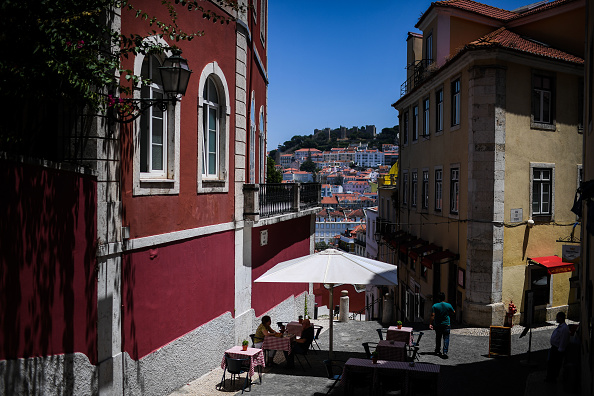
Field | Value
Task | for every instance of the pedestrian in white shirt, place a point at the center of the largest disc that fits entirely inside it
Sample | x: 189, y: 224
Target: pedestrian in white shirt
x: 559, y: 342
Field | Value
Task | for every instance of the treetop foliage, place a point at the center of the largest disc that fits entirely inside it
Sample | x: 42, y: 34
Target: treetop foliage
x: 70, y: 49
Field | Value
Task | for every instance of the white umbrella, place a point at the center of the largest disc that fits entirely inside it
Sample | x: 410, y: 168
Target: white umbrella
x: 332, y: 266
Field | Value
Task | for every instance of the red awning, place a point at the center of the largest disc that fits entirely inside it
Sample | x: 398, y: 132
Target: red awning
x: 553, y: 264
x: 422, y: 250
x: 437, y: 257
x: 405, y: 246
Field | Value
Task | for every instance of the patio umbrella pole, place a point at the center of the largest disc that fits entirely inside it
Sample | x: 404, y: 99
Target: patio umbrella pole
x: 331, y: 336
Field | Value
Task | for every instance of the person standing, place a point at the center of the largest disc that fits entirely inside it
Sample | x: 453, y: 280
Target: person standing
x: 440, y: 322
x: 559, y: 342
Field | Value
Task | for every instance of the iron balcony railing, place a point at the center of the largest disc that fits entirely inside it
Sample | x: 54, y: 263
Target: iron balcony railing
x: 272, y: 199
x: 384, y: 227
x: 421, y: 69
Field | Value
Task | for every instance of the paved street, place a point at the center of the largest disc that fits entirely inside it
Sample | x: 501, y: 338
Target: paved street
x: 468, y: 371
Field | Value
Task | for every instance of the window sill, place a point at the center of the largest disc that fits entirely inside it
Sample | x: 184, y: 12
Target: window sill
x: 156, y: 187
x: 543, y: 127
x: 454, y: 128
x: 156, y: 181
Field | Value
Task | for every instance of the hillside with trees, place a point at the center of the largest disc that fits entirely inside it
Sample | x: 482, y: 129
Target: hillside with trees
x: 322, y: 142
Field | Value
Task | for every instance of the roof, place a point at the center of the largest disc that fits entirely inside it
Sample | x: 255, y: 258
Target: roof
x: 471, y: 6
x: 507, y: 39
x: 329, y: 200
x: 544, y: 7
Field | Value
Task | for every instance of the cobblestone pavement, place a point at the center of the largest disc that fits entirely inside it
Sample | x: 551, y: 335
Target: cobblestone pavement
x: 468, y: 371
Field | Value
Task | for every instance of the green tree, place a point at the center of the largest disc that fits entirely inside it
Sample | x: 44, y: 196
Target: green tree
x: 272, y: 174
x: 308, y: 166
x: 321, y: 246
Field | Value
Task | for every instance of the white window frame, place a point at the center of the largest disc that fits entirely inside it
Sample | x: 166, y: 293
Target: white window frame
x: 426, y: 116
x: 551, y: 168
x: 456, y: 88
x: 252, y: 146
x: 405, y: 188
x: 429, y: 48
x: 262, y: 136
x: 263, y: 19
x: 455, y: 189
x: 438, y: 202
x: 166, y: 182
x: 425, y: 189
x: 439, y: 111
x: 220, y: 181
x: 537, y: 117
x: 415, y: 126
x: 414, y: 185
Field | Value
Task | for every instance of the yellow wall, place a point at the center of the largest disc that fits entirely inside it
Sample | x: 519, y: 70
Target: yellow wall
x: 463, y: 31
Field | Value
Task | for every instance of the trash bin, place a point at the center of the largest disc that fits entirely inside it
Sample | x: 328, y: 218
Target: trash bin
x: 315, y: 310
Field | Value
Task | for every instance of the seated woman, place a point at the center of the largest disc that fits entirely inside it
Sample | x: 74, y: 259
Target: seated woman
x: 262, y: 331
x: 302, y: 344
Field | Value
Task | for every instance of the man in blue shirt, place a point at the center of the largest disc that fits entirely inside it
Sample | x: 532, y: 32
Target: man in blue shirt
x: 559, y: 342
x: 440, y: 322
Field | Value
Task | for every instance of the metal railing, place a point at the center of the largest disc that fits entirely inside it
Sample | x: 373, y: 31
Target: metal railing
x: 369, y: 306
x: 272, y: 199
x: 421, y: 69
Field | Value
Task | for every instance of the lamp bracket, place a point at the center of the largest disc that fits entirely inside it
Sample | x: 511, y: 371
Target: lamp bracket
x: 127, y: 109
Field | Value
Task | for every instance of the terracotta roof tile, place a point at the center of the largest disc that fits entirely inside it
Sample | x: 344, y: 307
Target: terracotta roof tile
x: 474, y: 7
x: 543, y: 7
x: 507, y: 39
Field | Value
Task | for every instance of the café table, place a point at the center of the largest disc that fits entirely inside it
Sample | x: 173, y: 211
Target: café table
x: 412, y: 371
x: 294, y: 328
x: 256, y: 356
x: 279, y: 343
x: 403, y: 334
x: 391, y: 350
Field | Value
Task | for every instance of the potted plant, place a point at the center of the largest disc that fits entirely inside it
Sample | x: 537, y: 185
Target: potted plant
x: 245, y: 344
x: 374, y: 357
x: 399, y: 324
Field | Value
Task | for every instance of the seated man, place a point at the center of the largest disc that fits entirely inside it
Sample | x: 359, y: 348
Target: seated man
x: 302, y: 344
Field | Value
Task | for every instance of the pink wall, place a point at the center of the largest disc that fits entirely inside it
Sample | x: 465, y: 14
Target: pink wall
x: 171, y: 290
x: 286, y: 240
x: 48, y: 284
x: 356, y: 300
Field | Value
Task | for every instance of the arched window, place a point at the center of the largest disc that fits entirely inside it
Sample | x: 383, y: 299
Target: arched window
x: 153, y: 123
x: 214, y: 115
x: 253, y: 141
x: 262, y: 147
x: 156, y: 132
x: 211, y: 136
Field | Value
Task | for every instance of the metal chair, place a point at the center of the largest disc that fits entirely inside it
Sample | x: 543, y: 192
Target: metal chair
x: 414, y: 347
x: 334, y: 372
x: 236, y: 367
x: 368, y: 351
x: 336, y: 310
x: 281, y: 324
x: 381, y: 333
x: 318, y: 329
x: 302, y: 352
x: 253, y: 336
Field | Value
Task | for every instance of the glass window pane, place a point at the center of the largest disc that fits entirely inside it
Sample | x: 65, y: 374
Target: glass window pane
x: 155, y: 75
x: 157, y: 131
x: 157, y: 157
x: 212, y: 141
x: 213, y: 96
x: 212, y: 163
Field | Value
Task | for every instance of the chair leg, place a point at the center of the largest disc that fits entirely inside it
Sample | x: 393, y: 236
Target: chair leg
x: 222, y: 384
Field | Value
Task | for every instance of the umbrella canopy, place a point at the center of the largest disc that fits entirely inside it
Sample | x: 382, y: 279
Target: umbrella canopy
x: 332, y: 266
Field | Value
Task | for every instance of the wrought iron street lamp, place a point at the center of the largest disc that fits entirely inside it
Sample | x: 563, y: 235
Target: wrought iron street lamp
x: 175, y: 75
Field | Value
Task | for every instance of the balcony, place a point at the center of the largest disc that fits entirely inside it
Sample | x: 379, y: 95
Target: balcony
x: 421, y: 70
x: 268, y: 200
x: 384, y: 228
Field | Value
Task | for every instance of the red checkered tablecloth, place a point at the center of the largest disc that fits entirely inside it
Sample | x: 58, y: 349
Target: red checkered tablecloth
x: 278, y: 343
x: 294, y: 328
x: 391, y: 350
x: 256, y: 355
x: 430, y: 372
x: 404, y: 334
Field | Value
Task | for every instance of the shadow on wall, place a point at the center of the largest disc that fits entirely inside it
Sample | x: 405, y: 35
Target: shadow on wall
x: 48, y: 278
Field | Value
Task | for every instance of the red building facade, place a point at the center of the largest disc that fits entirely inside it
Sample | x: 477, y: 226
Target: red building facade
x: 132, y: 270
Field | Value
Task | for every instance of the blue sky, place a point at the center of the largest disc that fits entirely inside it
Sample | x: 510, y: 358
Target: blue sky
x: 333, y: 63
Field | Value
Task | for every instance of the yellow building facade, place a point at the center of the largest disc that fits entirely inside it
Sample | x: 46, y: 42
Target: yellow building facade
x: 490, y: 159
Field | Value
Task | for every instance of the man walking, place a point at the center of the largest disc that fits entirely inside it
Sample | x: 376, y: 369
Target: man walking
x: 440, y: 322
x: 559, y: 342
